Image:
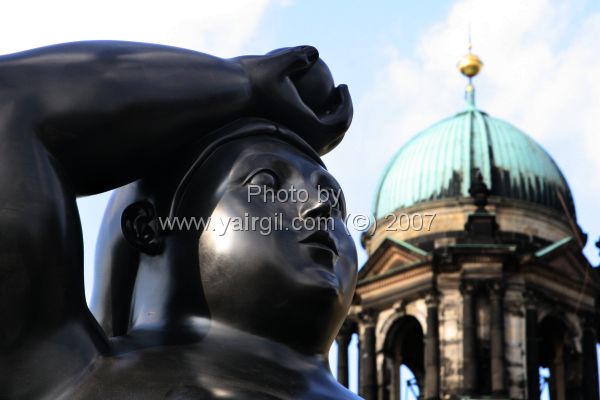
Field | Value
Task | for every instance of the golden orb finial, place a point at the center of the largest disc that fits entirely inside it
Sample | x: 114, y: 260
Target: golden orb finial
x: 470, y: 64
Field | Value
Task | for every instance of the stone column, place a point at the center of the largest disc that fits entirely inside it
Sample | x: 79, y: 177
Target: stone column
x: 432, y: 349
x: 343, y: 340
x: 368, y: 360
x: 497, y: 339
x: 469, y: 339
x: 359, y: 348
x: 389, y: 386
x: 558, y: 373
x: 533, y: 365
x: 590, y: 361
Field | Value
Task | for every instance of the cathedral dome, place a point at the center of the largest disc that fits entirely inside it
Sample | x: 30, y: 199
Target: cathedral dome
x: 441, y: 162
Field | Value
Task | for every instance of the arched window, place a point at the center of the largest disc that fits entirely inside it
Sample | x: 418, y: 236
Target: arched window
x: 556, y: 354
x: 403, y: 360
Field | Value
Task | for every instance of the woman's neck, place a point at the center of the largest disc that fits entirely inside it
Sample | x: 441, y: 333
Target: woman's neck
x: 210, y: 335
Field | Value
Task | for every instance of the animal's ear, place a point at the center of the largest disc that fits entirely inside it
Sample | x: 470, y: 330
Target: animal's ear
x: 140, y: 227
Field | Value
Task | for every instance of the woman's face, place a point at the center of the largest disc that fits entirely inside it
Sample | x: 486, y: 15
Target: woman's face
x: 275, y: 258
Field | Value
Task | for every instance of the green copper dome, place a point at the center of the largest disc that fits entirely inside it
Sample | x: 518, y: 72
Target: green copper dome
x: 441, y: 162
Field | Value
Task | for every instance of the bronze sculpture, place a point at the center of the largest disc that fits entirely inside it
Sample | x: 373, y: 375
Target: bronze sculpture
x: 188, y: 313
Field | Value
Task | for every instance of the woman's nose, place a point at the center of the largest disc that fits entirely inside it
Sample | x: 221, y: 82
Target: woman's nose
x: 317, y: 209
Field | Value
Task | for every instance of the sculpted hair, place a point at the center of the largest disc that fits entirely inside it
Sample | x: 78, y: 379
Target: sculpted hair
x: 238, y: 130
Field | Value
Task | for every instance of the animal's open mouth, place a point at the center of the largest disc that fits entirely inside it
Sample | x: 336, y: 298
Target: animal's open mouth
x: 321, y: 239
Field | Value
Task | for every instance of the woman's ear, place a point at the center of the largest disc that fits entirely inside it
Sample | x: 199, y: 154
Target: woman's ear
x: 140, y: 227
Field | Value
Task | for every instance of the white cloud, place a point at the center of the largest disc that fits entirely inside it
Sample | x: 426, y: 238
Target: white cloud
x: 217, y: 27
x: 542, y: 73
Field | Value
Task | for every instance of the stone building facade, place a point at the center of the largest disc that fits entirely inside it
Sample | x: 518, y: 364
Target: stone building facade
x: 475, y: 277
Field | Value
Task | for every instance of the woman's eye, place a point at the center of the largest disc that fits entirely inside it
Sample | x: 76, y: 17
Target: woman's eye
x: 264, y: 178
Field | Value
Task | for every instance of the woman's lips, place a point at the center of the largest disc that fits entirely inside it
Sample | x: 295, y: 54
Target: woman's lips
x: 321, y: 239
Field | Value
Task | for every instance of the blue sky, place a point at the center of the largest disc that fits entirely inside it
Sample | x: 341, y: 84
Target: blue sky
x: 399, y: 60
x: 542, y: 70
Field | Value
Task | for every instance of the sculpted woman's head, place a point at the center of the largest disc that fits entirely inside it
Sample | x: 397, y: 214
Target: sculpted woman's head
x: 265, y: 250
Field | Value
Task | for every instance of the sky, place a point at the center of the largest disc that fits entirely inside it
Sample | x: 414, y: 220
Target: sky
x: 541, y: 73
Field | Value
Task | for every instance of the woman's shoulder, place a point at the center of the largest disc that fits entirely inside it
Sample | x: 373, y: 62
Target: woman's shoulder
x: 186, y: 372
